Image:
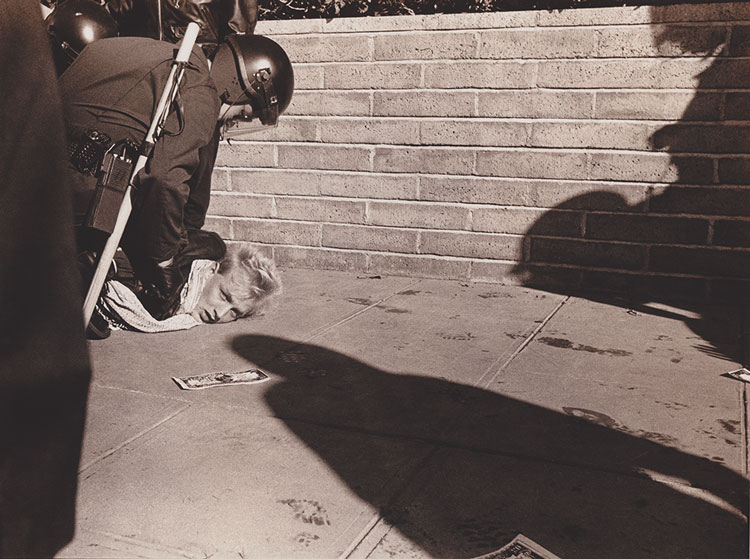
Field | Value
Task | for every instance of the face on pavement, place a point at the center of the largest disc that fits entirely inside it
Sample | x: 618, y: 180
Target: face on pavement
x: 216, y: 303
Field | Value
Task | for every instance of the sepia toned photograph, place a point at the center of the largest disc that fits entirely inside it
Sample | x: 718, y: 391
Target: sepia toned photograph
x: 374, y: 279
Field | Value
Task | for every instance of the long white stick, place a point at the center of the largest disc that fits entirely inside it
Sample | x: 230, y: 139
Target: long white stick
x: 162, y: 109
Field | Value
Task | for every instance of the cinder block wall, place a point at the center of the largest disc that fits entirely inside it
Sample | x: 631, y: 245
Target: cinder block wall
x: 602, y: 148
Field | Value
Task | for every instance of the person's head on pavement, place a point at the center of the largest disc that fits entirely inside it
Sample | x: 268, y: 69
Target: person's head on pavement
x: 240, y: 285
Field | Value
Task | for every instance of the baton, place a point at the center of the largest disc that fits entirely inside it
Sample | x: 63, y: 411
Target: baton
x: 147, y: 146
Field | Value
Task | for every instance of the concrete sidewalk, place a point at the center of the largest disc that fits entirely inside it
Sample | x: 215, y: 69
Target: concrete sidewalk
x: 421, y: 418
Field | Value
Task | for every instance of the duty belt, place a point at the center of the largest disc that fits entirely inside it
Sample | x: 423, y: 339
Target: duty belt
x: 86, y: 150
x: 93, y: 153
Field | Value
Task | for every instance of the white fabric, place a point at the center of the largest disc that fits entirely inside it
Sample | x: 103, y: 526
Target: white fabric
x: 122, y: 309
x: 199, y: 273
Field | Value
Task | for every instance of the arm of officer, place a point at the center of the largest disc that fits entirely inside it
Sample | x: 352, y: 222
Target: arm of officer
x: 244, y: 16
x: 163, y: 186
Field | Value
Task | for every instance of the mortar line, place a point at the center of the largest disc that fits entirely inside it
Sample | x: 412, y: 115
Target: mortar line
x: 650, y: 122
x: 471, y: 206
x: 479, y: 383
x: 129, y: 440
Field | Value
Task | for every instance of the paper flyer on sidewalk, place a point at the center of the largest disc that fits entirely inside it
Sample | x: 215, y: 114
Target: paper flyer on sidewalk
x: 739, y: 374
x: 221, y: 378
x: 520, y: 547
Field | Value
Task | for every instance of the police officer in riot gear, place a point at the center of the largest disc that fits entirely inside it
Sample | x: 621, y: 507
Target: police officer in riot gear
x: 108, y: 94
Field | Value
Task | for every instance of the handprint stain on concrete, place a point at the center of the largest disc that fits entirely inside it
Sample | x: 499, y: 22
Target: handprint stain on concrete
x: 309, y: 512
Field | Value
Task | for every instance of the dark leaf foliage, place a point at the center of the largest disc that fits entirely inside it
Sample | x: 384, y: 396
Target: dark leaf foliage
x: 310, y: 9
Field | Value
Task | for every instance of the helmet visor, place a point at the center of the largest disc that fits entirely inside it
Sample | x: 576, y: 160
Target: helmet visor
x: 243, y: 126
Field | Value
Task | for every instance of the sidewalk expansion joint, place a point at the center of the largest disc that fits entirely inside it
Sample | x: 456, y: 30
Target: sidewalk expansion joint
x: 129, y: 440
x: 494, y: 372
x: 377, y: 524
x: 140, y: 392
x: 136, y: 547
x: 328, y: 327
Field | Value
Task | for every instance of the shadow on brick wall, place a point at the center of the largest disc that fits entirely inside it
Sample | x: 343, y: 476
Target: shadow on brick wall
x: 682, y: 244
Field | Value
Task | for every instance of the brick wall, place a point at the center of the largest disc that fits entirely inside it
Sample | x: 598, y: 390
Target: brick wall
x: 600, y: 148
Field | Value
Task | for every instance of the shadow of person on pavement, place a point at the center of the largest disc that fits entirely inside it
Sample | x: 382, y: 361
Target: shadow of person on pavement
x: 662, y: 229
x: 459, y: 471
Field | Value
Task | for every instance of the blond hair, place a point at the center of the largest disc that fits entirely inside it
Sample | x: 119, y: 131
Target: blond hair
x: 252, y: 277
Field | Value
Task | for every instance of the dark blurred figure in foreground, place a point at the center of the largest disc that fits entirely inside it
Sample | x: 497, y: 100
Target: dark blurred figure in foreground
x: 44, y: 366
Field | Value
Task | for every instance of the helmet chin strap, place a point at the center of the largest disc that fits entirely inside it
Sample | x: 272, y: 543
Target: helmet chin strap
x: 69, y: 51
x: 263, y: 85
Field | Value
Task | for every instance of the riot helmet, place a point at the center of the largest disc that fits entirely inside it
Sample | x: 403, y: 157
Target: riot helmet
x: 73, y: 25
x: 252, y: 71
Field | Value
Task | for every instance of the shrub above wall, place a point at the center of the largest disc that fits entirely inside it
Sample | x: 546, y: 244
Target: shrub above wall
x: 312, y: 9
x: 605, y: 147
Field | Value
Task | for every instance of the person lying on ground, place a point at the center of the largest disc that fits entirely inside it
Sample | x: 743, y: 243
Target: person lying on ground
x: 242, y: 284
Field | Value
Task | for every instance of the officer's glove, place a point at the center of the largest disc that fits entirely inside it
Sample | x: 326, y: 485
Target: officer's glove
x: 162, y: 297
x: 87, y: 263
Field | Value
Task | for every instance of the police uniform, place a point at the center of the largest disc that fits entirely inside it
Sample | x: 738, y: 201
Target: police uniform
x: 111, y: 91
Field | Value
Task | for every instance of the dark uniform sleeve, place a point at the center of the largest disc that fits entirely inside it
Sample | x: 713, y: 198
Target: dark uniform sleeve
x: 164, y: 185
x: 244, y: 16
x: 216, y: 18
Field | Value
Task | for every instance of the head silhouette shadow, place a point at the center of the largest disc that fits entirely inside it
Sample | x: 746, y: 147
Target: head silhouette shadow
x: 700, y: 134
x: 460, y: 470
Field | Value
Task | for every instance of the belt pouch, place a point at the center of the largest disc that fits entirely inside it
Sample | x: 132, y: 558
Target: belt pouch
x: 114, y: 176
